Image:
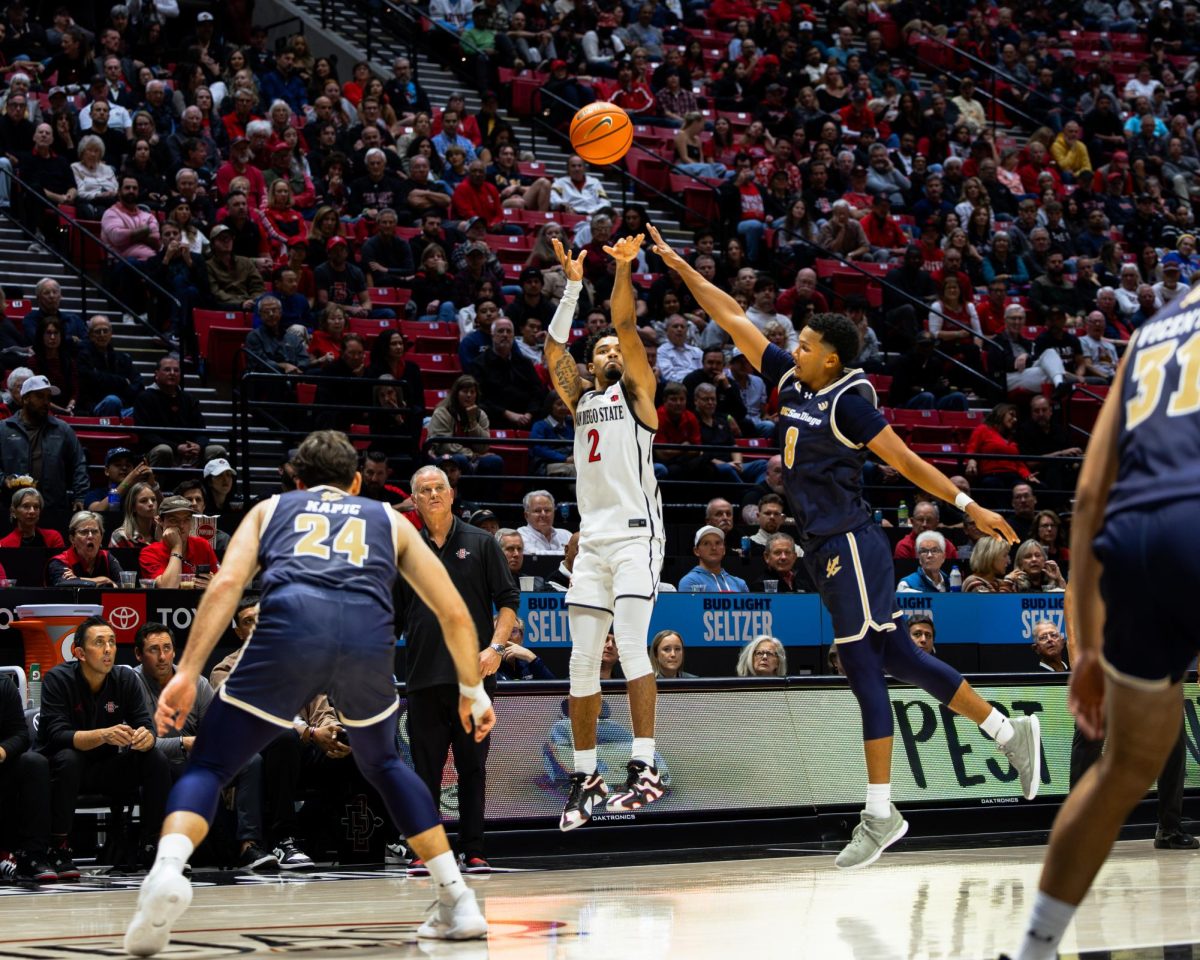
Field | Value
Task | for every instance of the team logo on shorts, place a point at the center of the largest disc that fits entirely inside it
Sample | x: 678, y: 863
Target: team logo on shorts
x: 833, y: 567
x: 463, y: 553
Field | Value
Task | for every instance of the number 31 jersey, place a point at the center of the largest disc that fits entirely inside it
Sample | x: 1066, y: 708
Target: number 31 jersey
x: 329, y: 540
x: 1158, y: 445
x: 617, y: 492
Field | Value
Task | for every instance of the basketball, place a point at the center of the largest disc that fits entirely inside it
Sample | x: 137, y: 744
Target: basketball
x: 601, y: 133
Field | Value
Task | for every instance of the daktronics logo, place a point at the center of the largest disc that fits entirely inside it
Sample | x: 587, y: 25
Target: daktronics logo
x: 126, y: 612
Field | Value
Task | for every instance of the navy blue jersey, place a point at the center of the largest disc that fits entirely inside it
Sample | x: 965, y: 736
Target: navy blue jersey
x: 823, y: 435
x: 327, y: 539
x: 1158, y: 444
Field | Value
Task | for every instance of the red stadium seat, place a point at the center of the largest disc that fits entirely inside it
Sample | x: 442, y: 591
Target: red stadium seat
x: 205, y: 320
x: 224, y: 351
x: 18, y: 309
x: 389, y: 296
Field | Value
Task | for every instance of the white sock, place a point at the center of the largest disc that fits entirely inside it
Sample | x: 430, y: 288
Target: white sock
x: 998, y: 727
x: 173, y: 852
x: 879, y: 800
x: 1048, y: 921
x: 445, y: 873
x: 585, y: 761
x: 643, y: 749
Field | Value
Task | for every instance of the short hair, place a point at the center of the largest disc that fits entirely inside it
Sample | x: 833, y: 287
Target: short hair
x: 923, y: 616
x: 428, y: 468
x: 258, y: 128
x: 589, y: 349
x: 937, y: 514
x: 91, y: 140
x: 705, y: 389
x: 149, y: 629
x: 18, y: 377
x: 326, y: 456
x: 247, y: 601
x: 839, y: 332
x: 528, y: 498
x: 23, y: 494
x: 90, y: 623
x: 768, y: 498
x: 933, y: 535
x: 773, y: 538
x: 80, y: 517
x: 503, y: 532
x: 674, y: 389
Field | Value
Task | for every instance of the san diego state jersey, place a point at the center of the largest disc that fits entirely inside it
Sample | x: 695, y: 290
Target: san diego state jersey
x: 823, y: 436
x: 616, y: 489
x: 327, y: 539
x: 1159, y: 441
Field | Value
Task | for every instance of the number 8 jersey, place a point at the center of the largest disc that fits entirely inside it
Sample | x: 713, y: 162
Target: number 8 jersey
x: 617, y: 492
x: 327, y: 539
x: 1158, y: 445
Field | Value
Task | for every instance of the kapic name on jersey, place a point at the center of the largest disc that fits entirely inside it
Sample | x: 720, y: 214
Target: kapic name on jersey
x: 599, y: 414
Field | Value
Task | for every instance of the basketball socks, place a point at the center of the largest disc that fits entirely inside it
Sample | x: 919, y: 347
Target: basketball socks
x: 585, y: 761
x: 1048, y: 921
x: 173, y: 852
x: 643, y: 749
x: 998, y: 727
x: 879, y: 800
x: 445, y: 873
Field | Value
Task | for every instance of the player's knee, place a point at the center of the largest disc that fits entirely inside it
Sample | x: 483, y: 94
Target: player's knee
x: 585, y: 671
x: 635, y: 661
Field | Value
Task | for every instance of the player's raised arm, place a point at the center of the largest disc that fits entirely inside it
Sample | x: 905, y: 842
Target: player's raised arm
x: 564, y: 373
x: 719, y: 305
x: 888, y: 446
x: 638, y: 373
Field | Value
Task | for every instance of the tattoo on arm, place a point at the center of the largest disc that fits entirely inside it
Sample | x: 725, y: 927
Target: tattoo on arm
x: 566, y: 377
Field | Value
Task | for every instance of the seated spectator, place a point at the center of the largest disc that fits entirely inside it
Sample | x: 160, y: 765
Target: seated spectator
x: 539, y: 534
x: 677, y: 425
x: 517, y: 191
x: 375, y: 471
x: 422, y: 194
x: 762, y: 657
x: 326, y: 344
x: 1049, y: 646
x: 270, y: 348
x: 178, y: 553
x: 126, y: 227
x: 931, y: 556
x: 989, y: 564
x: 60, y: 468
x: 771, y: 513
x: 54, y: 358
x: 1099, y: 354
x: 95, y: 181
x: 921, y: 631
x: 459, y: 414
x: 666, y: 654
x: 388, y: 260
x: 25, y: 512
x: 234, y: 281
x: 333, y: 391
x: 84, y: 564
x: 185, y: 274
x: 782, y: 567
x: 120, y: 474
x: 553, y: 460
x: 221, y: 497
x: 377, y: 190
x: 166, y: 404
x: 140, y: 523
x: 708, y: 576
x: 108, y: 381
x: 996, y: 436
x: 24, y: 796
x: 676, y: 357
x: 119, y: 759
x: 925, y: 516
x: 843, y: 235
x: 1033, y: 573
x: 765, y: 309
x: 154, y: 649
x: 510, y: 387
x: 1013, y: 357
x: 1048, y: 532
x: 512, y: 545
x: 340, y: 281
x: 716, y: 430
x: 518, y: 662
x: 578, y: 192
x: 47, y: 293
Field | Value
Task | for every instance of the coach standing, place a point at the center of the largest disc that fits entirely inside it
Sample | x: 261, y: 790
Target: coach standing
x: 478, y: 569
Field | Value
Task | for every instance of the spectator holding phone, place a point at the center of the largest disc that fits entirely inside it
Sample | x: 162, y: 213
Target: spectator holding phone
x: 178, y: 559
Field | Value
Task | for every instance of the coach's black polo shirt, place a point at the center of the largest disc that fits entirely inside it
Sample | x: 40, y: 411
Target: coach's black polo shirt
x: 478, y: 569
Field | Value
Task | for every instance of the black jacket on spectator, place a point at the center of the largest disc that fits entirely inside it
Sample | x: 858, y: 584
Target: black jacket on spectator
x: 63, y: 475
x: 153, y: 408
x: 14, y: 734
x: 347, y: 394
x: 507, y: 384
x: 396, y: 256
x: 101, y: 374
x: 68, y: 705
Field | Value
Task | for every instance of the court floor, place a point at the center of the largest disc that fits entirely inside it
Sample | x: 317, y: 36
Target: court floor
x: 963, y: 904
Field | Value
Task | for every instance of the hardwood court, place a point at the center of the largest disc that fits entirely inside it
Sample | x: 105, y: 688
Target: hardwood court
x: 959, y: 904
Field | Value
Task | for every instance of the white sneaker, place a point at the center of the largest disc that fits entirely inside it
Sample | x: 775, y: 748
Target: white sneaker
x: 1024, y: 752
x: 461, y: 920
x: 161, y: 902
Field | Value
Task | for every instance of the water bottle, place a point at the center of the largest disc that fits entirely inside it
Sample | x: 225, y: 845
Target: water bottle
x: 564, y: 512
x: 745, y: 546
x: 114, y: 498
x: 902, y: 514
x: 878, y: 516
x: 35, y: 684
x: 955, y: 579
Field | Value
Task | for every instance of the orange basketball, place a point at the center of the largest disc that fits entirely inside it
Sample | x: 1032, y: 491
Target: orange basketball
x: 601, y: 133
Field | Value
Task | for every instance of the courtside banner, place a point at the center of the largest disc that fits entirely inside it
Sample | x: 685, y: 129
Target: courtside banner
x: 799, y: 620
x: 778, y: 746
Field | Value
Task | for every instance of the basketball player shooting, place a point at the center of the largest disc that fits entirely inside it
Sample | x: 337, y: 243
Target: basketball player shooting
x: 828, y: 421
x: 329, y: 560
x: 616, y: 573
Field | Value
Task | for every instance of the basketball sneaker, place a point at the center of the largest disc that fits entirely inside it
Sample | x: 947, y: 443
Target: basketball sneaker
x: 460, y: 920
x: 397, y: 853
x: 588, y: 793
x: 290, y: 856
x: 1024, y: 752
x: 61, y: 859
x: 871, y: 837
x: 165, y: 894
x: 642, y: 787
x: 34, y: 867
x: 417, y: 868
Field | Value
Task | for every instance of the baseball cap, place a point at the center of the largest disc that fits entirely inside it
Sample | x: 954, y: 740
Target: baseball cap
x: 1170, y: 265
x: 216, y: 467
x: 859, y: 95
x: 606, y: 20
x: 57, y: 92
x: 297, y: 241
x: 1144, y: 198
x: 475, y: 247
x: 735, y: 353
x: 335, y: 242
x: 705, y: 530
x: 38, y: 383
x: 174, y: 504
x: 1165, y: 5
x: 473, y: 222
x: 219, y: 229
x: 1120, y: 155
x: 806, y: 25
x: 481, y: 516
x: 238, y: 140
x: 558, y: 65
x: 204, y: 17
x: 281, y: 147
x: 115, y: 453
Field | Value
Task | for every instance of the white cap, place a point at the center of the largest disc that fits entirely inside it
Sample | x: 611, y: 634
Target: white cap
x: 204, y: 17
x: 39, y: 383
x: 214, y: 468
x: 735, y: 353
x: 705, y: 530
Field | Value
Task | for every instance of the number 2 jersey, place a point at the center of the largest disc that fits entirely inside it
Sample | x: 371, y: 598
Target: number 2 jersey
x: 823, y: 435
x: 326, y: 539
x: 617, y: 492
x: 1158, y: 443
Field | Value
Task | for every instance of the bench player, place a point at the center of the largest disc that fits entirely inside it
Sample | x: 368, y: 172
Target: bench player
x: 329, y: 560
x: 616, y: 573
x: 1129, y: 606
x: 828, y: 420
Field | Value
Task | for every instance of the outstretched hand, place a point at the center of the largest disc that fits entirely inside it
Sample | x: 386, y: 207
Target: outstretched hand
x: 992, y: 524
x: 626, y: 249
x: 572, y: 268
x: 663, y: 249
x: 175, y: 703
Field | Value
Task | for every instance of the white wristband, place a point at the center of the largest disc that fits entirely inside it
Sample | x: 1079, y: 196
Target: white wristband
x: 962, y: 501
x: 480, y: 701
x: 564, y: 316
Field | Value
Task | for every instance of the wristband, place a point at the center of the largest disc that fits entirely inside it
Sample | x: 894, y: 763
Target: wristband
x: 480, y: 701
x: 962, y: 501
x: 564, y: 315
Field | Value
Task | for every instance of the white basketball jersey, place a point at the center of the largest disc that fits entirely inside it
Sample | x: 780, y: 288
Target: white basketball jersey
x: 616, y: 489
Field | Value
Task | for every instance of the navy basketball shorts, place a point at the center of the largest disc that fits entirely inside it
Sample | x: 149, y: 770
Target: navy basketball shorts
x: 857, y: 581
x: 1151, y: 568
x: 312, y: 641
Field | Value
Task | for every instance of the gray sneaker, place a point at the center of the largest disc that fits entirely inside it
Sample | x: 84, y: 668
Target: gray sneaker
x: 871, y: 837
x: 1024, y: 752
